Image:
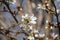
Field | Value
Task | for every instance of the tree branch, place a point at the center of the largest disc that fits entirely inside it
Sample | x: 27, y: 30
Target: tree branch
x: 56, y: 16
x: 7, y: 5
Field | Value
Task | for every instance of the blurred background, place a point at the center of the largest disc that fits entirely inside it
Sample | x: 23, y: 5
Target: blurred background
x: 45, y: 27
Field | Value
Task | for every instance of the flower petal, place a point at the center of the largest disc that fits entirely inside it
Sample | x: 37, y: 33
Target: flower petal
x: 32, y: 22
x: 26, y: 15
x: 23, y: 16
x: 30, y: 27
x: 31, y: 38
x: 33, y: 18
x: 35, y: 31
x: 36, y: 35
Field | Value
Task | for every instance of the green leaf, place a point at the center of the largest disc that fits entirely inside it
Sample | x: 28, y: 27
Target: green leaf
x: 26, y: 20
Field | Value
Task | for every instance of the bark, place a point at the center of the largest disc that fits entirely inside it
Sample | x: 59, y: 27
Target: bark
x: 40, y: 20
x: 28, y: 6
x: 49, y: 20
x: 18, y: 3
x: 48, y: 17
x: 38, y: 13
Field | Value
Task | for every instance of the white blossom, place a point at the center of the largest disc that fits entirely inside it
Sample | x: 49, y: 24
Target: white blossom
x: 36, y: 35
x: 54, y: 35
x: 46, y: 27
x: 58, y: 10
x: 32, y: 22
x: 31, y: 18
x: 46, y: 21
x: 41, y: 35
x: 39, y: 6
x: 47, y: 5
x: 30, y: 27
x: 51, y: 27
x: 31, y: 38
x: 14, y: 1
x: 35, y: 31
x: 26, y: 15
x: 47, y: 38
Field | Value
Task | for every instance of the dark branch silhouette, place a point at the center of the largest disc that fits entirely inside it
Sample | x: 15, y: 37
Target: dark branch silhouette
x: 7, y: 5
x: 56, y: 14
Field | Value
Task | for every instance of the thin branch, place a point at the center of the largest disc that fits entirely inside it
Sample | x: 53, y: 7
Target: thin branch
x: 7, y: 5
x: 56, y: 16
